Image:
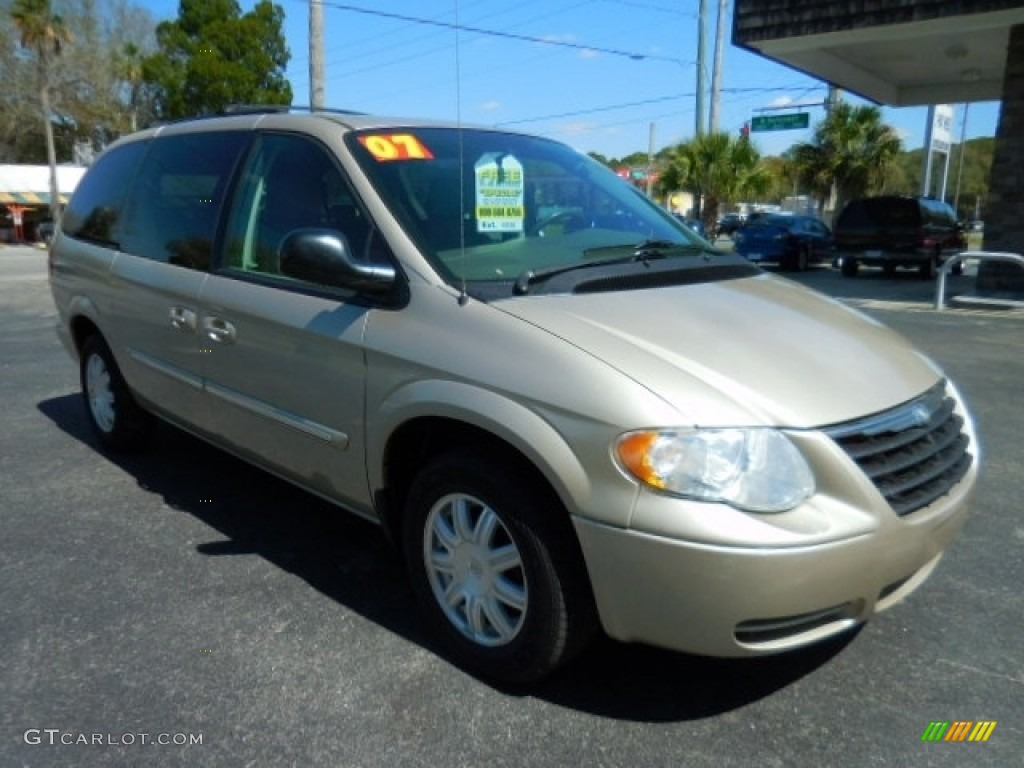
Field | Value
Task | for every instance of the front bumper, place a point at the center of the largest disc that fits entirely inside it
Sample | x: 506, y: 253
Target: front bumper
x: 741, y: 601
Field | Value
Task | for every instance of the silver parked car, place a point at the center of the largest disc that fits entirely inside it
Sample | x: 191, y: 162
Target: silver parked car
x: 567, y: 410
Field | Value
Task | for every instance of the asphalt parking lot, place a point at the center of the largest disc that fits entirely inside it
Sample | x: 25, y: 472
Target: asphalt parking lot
x: 178, y: 596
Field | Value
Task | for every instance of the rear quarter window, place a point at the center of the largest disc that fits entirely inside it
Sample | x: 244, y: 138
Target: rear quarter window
x: 893, y: 213
x: 177, y: 197
x: 95, y: 212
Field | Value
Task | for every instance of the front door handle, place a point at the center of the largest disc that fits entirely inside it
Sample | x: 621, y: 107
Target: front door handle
x: 183, y: 318
x: 219, y: 329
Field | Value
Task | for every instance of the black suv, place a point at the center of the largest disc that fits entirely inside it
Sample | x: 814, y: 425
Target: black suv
x: 893, y: 231
x: 728, y: 224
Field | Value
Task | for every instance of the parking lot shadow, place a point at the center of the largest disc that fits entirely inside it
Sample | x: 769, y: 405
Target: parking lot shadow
x: 351, y: 561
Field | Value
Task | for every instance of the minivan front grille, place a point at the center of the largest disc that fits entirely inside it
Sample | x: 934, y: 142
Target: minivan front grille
x: 914, y: 453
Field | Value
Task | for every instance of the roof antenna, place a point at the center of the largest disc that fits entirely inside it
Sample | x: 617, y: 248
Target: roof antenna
x: 463, y: 295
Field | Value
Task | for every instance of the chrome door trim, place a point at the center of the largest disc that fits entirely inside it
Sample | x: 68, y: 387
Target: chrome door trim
x: 293, y: 420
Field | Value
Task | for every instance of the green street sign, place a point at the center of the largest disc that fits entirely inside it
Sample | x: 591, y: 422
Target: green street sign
x: 788, y: 122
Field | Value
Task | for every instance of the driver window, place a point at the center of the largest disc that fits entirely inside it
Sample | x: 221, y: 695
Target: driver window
x: 290, y: 183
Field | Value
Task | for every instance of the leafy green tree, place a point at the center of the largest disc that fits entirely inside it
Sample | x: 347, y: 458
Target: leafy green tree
x: 848, y: 156
x: 213, y: 56
x: 783, y: 179
x: 971, y: 183
x: 44, y: 33
x: 717, y: 167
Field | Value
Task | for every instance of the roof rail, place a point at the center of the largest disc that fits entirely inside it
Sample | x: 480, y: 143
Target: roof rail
x: 254, y: 109
x: 260, y: 109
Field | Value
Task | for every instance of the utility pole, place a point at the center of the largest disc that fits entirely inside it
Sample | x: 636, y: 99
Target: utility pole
x: 960, y: 169
x: 702, y: 28
x: 834, y: 95
x: 716, y: 71
x: 926, y: 167
x: 316, y: 54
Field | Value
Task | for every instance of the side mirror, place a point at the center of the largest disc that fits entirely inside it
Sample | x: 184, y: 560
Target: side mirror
x: 324, y: 256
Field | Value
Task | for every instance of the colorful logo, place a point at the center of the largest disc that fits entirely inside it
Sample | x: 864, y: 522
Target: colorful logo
x: 958, y: 730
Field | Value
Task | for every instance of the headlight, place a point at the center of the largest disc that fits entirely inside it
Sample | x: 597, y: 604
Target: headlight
x: 754, y: 469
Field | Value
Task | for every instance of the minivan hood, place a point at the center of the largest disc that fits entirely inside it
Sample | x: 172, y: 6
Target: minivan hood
x: 758, y: 350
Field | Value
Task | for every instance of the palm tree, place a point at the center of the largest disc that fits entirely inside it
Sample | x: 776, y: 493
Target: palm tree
x: 717, y: 167
x: 43, y: 32
x: 128, y: 64
x: 848, y: 156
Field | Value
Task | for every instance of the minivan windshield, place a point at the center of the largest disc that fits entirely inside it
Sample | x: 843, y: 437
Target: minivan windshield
x: 489, y: 207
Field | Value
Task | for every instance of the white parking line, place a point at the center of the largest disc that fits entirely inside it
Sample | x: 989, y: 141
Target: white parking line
x: 919, y: 306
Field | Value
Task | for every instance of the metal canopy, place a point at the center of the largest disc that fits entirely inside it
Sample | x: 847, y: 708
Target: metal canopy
x: 957, y: 58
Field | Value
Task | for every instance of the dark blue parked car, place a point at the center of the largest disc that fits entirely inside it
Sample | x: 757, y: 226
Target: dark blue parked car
x: 792, y: 242
x: 695, y: 224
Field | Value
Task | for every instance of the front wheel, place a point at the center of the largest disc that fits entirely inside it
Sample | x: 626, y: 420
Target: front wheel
x: 849, y: 266
x: 495, y: 567
x: 114, y: 415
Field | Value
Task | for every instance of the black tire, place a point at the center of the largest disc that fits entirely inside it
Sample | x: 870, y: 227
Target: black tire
x: 958, y: 268
x: 928, y: 268
x: 803, y: 258
x: 889, y: 269
x: 113, y: 414
x: 850, y: 266
x: 512, y: 619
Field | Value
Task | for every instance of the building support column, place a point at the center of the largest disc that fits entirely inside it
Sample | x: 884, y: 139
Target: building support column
x: 1004, y: 209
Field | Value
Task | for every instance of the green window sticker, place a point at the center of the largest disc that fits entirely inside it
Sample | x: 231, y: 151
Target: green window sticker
x: 499, y: 193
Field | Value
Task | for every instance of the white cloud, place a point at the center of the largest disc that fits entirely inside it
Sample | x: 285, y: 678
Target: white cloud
x: 782, y: 101
x: 577, y: 129
x: 589, y: 53
x: 490, y: 106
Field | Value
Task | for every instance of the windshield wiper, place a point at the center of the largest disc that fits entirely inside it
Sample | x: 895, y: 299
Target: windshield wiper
x: 648, y: 250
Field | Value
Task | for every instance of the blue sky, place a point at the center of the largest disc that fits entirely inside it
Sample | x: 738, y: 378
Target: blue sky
x: 610, y: 70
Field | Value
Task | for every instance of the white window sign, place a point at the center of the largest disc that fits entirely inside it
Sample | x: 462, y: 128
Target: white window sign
x: 499, y: 193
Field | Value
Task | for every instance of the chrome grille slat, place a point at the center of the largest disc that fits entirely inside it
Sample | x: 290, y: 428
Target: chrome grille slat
x: 914, y: 453
x: 938, y: 441
x: 894, y: 440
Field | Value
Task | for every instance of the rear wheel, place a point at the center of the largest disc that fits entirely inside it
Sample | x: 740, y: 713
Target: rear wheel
x: 495, y: 567
x: 850, y: 266
x: 114, y: 415
x: 928, y: 268
x: 803, y: 258
x: 958, y: 268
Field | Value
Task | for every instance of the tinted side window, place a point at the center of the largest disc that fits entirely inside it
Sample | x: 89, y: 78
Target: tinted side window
x: 894, y: 213
x: 289, y: 183
x: 95, y: 211
x: 946, y: 216
x: 854, y: 215
x: 177, y: 197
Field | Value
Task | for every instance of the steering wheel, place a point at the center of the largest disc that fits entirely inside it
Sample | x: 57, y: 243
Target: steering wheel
x: 569, y: 221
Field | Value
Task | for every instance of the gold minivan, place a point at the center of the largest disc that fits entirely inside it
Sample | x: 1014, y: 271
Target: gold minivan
x: 567, y: 409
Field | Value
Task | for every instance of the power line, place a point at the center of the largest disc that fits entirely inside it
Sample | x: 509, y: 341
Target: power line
x: 627, y: 105
x: 634, y: 55
x: 649, y: 7
x: 594, y: 110
x: 350, y: 47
